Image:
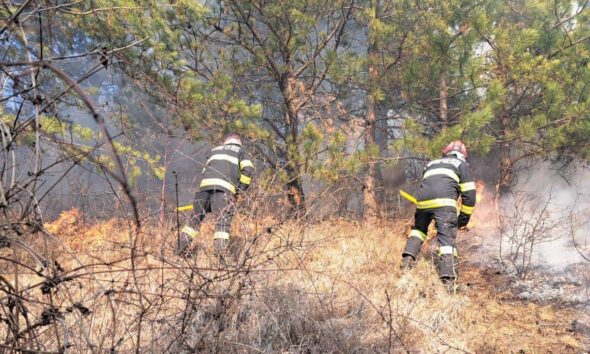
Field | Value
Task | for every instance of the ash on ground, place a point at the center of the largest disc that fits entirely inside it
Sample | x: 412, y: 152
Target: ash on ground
x: 565, y: 286
x: 570, y: 287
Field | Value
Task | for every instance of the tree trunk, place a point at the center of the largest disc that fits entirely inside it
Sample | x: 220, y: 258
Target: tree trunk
x: 295, y: 194
x: 443, y: 102
x: 382, y: 141
x: 370, y: 206
x: 505, y: 179
x: 162, y: 211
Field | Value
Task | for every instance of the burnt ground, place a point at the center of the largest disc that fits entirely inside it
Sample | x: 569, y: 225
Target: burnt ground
x: 564, y: 289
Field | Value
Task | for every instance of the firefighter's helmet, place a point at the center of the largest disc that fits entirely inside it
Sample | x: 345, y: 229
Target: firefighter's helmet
x: 455, y: 148
x: 232, y: 138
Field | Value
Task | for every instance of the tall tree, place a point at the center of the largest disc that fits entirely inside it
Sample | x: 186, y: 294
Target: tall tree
x: 369, y: 73
x: 372, y: 96
x: 519, y: 76
x: 441, y: 78
x: 538, y: 55
x: 282, y: 52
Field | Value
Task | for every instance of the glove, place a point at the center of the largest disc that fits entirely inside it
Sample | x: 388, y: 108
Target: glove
x: 463, y: 221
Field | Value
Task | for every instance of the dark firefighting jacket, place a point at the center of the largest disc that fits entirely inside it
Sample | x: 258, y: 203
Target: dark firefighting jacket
x: 228, y: 169
x: 443, y: 182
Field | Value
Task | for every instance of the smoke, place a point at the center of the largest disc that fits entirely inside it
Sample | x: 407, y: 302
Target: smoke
x: 553, y: 209
x: 539, y: 234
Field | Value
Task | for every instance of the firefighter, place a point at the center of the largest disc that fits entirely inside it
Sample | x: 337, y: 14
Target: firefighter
x: 443, y: 181
x: 228, y: 172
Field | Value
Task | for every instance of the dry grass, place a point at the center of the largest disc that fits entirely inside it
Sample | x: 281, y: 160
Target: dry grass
x: 327, y: 287
x: 357, y: 268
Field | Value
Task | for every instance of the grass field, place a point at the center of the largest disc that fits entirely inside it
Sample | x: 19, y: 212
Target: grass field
x: 332, y: 286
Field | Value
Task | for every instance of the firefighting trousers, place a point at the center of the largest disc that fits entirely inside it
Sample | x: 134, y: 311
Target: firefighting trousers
x: 221, y: 204
x: 445, y: 221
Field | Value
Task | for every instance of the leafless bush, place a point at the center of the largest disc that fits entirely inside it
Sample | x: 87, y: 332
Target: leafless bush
x: 271, y: 320
x: 527, y: 220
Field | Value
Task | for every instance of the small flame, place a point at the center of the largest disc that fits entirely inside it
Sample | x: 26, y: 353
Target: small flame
x: 479, y: 189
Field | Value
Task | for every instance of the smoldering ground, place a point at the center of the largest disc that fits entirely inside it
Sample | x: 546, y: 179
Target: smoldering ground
x: 536, y: 241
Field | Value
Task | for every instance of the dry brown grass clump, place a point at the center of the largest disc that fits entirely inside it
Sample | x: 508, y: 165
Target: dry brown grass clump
x: 355, y: 269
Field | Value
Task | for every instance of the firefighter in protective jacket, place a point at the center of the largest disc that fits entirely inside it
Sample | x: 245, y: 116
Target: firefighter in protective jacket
x: 443, y: 182
x: 228, y: 171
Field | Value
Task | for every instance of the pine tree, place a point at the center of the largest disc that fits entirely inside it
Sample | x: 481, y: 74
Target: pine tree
x: 538, y: 72
x: 280, y: 52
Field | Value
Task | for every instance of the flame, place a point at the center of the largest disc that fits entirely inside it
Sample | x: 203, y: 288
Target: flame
x: 483, y: 215
x: 479, y: 189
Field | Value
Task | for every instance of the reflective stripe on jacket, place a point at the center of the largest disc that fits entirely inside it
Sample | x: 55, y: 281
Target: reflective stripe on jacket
x: 444, y: 180
x: 228, y: 169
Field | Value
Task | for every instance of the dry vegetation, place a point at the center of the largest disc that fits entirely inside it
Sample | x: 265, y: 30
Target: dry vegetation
x: 332, y: 286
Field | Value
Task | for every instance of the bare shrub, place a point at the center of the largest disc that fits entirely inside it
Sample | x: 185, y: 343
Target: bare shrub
x: 275, y: 320
x: 527, y: 220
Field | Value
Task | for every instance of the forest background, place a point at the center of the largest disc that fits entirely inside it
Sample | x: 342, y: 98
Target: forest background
x: 347, y: 95
x: 109, y: 107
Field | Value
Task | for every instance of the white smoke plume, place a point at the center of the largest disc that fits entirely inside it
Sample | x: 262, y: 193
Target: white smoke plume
x: 555, y: 205
x: 539, y: 234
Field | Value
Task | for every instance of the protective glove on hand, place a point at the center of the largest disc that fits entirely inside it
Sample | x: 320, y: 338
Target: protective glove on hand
x: 463, y: 221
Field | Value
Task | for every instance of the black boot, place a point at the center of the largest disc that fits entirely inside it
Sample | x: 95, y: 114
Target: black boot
x: 447, y: 266
x: 220, y: 245
x: 450, y: 284
x: 183, y: 245
x: 408, y: 262
x: 447, y: 271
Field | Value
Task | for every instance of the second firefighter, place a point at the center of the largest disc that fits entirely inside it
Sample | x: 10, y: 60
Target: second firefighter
x: 444, y: 180
x: 228, y: 171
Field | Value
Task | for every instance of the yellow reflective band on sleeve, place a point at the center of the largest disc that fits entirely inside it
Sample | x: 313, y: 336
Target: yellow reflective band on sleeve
x: 246, y: 163
x: 417, y: 233
x: 467, y: 209
x: 221, y: 235
x: 436, y: 203
x: 468, y: 186
x: 245, y: 180
x: 189, y: 231
x: 223, y: 157
x: 208, y: 182
x: 447, y: 250
x: 442, y: 171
